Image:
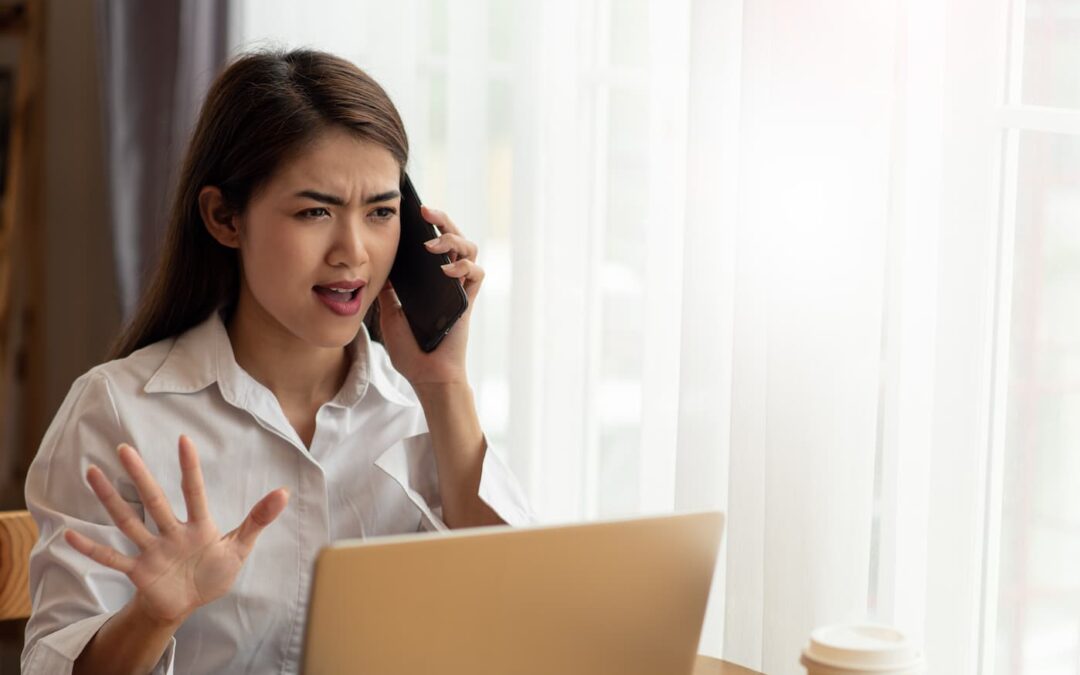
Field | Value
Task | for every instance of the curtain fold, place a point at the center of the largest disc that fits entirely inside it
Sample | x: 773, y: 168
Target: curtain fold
x: 157, y: 60
x: 815, y: 147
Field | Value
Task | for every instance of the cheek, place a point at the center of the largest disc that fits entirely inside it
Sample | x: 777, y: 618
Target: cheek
x: 272, y: 256
x: 383, y: 251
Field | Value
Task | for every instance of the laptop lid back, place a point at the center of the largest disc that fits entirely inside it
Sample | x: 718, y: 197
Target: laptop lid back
x: 621, y: 598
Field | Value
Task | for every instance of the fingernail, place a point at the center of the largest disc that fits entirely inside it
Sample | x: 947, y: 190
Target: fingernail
x: 431, y: 242
x: 448, y: 266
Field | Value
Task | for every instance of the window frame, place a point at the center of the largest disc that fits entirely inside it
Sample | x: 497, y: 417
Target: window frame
x: 1012, y: 117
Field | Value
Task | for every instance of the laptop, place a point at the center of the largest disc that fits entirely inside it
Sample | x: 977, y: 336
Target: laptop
x: 623, y: 597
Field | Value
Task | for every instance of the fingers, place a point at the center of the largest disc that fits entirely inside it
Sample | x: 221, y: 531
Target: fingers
x: 454, y: 244
x: 439, y: 219
x: 471, y: 275
x: 191, y: 482
x: 261, y: 515
x: 149, y: 491
x: 99, y: 553
x: 119, y: 510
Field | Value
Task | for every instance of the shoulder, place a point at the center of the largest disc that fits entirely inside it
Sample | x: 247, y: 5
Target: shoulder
x: 96, y: 391
x: 130, y: 374
x: 89, y: 422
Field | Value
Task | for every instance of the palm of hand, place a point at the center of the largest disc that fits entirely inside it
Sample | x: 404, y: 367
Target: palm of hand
x: 446, y: 363
x: 176, y: 576
x: 188, y: 564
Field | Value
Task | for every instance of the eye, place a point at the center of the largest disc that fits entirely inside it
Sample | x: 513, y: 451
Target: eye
x: 384, y: 213
x: 315, y: 212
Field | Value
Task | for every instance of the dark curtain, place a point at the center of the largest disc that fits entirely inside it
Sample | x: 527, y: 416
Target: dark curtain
x: 157, y: 61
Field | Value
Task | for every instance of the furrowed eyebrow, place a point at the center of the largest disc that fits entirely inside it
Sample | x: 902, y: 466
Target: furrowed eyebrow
x: 384, y: 197
x: 322, y: 197
x: 334, y: 200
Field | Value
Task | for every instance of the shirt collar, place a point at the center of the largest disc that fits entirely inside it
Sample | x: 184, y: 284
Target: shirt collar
x: 203, y: 355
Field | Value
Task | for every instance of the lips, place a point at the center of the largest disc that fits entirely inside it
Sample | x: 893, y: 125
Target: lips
x: 343, y: 285
x: 343, y: 296
x: 336, y: 296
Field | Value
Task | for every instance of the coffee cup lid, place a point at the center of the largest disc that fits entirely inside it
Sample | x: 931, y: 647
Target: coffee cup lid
x: 866, y: 646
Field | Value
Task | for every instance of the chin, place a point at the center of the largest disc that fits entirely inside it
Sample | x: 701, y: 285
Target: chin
x: 336, y: 338
x: 323, y: 330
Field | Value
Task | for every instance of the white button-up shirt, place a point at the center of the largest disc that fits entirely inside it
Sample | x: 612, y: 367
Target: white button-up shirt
x: 370, y: 471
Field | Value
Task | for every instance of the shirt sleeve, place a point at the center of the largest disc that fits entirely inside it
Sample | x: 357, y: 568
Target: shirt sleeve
x: 411, y: 463
x: 72, y: 595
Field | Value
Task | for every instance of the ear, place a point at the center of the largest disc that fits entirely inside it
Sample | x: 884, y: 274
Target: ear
x: 220, y: 220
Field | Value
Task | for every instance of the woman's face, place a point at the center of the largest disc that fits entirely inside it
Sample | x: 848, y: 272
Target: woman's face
x: 327, y: 219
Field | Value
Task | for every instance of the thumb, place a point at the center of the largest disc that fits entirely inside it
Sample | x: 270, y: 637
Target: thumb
x: 388, y: 299
x: 262, y: 514
x: 391, y: 315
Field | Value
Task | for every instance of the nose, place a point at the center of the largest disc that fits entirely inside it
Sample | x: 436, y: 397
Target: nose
x: 348, y: 248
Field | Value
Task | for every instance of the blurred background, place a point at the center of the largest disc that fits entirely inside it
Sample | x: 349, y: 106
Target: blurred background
x: 814, y: 263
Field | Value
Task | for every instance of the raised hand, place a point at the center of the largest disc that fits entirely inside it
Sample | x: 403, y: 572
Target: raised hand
x: 445, y: 365
x: 188, y: 564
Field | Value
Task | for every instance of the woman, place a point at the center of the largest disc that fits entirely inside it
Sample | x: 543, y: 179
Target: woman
x: 293, y: 424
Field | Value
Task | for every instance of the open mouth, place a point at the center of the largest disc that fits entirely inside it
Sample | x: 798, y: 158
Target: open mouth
x: 337, y: 295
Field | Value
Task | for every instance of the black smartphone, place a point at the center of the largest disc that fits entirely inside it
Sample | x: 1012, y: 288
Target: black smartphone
x: 431, y: 300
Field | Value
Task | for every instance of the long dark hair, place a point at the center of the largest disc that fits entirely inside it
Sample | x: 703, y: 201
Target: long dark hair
x: 263, y: 108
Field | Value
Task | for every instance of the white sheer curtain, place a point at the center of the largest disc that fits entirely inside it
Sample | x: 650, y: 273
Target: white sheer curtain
x: 741, y: 255
x: 813, y: 227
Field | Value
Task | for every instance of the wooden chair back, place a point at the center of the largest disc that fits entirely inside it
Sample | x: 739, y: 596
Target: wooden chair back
x: 18, y: 532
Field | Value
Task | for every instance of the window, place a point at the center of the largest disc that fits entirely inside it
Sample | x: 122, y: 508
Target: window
x: 1037, y: 594
x: 555, y: 135
x: 867, y: 237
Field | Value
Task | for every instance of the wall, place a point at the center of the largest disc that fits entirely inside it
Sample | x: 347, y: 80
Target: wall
x: 82, y: 307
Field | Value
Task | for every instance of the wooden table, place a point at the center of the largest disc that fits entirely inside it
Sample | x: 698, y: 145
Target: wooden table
x: 707, y: 665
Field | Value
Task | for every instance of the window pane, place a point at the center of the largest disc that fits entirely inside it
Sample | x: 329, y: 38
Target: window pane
x: 1039, y: 593
x: 491, y: 327
x: 619, y: 468
x: 629, y: 32
x: 438, y: 21
x: 435, y: 191
x: 501, y: 30
x: 500, y: 155
x: 623, y: 313
x: 1052, y: 53
x: 627, y: 177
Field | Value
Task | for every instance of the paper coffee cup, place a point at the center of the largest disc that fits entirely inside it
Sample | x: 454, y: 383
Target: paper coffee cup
x: 861, y: 648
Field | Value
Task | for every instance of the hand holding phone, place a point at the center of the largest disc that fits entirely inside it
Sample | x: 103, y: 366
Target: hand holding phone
x: 432, y: 302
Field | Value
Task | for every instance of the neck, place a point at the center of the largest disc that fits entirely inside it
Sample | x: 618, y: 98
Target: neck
x: 298, y: 373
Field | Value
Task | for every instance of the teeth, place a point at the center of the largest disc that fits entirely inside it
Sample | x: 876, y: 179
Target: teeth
x: 343, y: 290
